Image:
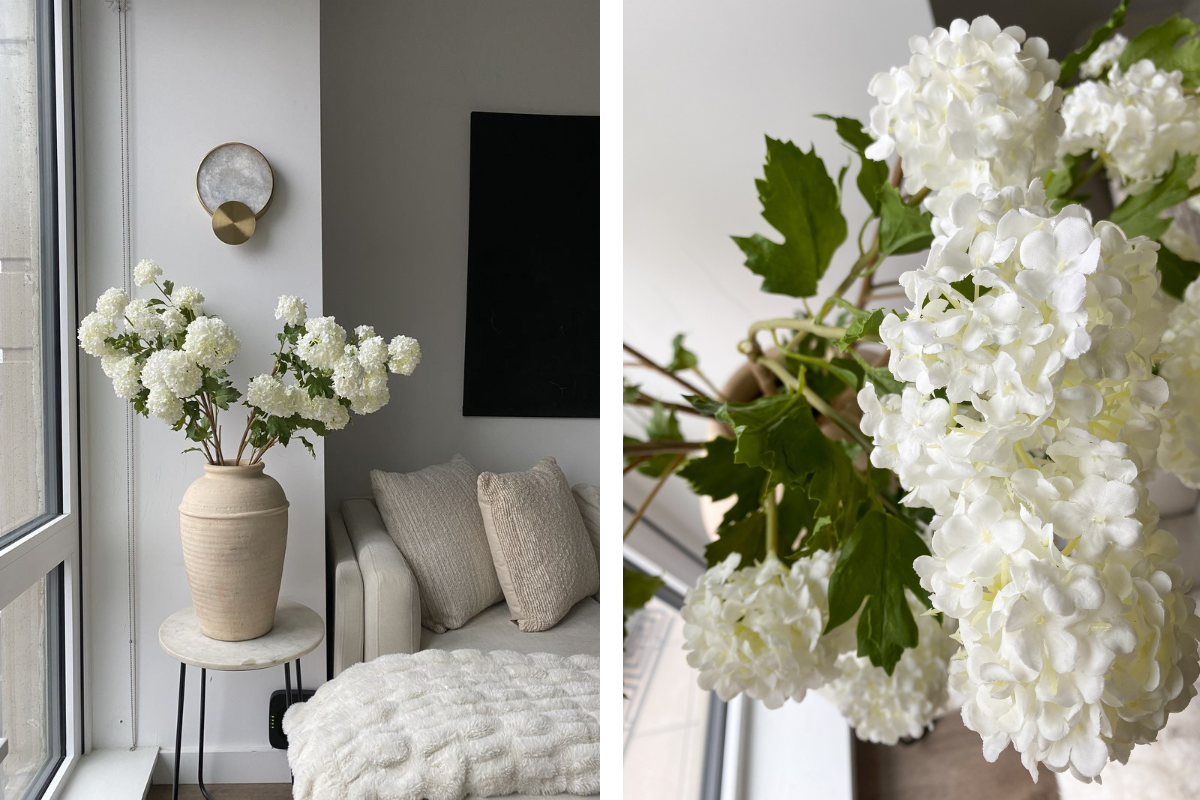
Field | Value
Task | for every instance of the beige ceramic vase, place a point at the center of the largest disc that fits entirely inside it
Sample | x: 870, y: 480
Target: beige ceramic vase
x: 234, y: 523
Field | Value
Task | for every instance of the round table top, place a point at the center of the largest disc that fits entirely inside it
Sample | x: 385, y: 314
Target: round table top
x: 298, y: 630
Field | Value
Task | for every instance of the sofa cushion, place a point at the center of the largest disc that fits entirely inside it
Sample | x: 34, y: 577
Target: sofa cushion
x: 434, y: 518
x: 542, y: 552
x: 587, y: 498
x: 577, y: 633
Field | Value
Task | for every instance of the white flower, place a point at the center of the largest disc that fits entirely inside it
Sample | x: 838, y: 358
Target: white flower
x: 373, y: 352
x: 171, y: 371
x: 375, y: 393
x: 112, y: 304
x: 1179, y: 451
x: 291, y: 309
x: 125, y: 373
x: 1077, y: 636
x: 322, y: 344
x: 1135, y: 121
x: 328, y: 411
x: 974, y: 106
x: 211, y: 342
x: 405, y: 354
x: 364, y: 332
x: 188, y: 297
x: 173, y: 321
x: 146, y: 320
x: 348, y: 375
x: 165, y: 406
x: 758, y: 630
x: 94, y: 329
x: 1104, y: 56
x: 883, y: 708
x: 268, y: 393
x: 146, y: 273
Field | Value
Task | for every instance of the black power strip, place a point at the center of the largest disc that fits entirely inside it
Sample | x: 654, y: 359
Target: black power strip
x: 275, y: 712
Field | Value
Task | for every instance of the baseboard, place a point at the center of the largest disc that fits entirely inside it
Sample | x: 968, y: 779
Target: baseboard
x: 265, y: 765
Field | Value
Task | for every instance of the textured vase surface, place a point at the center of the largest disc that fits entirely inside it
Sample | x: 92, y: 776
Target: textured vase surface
x: 234, y: 522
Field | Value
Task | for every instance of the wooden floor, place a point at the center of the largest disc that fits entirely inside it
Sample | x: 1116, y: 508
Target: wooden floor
x: 226, y: 791
x: 946, y: 764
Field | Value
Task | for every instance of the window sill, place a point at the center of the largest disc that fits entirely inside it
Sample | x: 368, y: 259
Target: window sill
x: 110, y: 775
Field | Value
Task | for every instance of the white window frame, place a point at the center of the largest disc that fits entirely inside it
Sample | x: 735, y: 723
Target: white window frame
x: 27, y: 560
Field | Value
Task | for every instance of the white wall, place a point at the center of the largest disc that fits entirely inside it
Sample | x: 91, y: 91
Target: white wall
x: 398, y: 83
x: 200, y: 74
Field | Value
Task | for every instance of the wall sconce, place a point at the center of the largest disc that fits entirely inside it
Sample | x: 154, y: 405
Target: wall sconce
x: 235, y: 185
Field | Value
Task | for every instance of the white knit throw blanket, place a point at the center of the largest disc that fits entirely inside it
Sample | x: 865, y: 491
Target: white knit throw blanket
x: 443, y: 725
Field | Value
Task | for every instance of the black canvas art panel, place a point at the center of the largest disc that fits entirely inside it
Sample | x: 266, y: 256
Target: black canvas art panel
x: 533, y: 267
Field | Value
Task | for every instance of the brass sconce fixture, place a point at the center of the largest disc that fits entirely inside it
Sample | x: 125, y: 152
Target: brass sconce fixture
x: 235, y: 184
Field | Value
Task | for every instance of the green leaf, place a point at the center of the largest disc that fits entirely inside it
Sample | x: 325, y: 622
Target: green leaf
x: 308, y: 446
x: 778, y: 434
x: 1177, y: 272
x: 874, y: 568
x: 718, y: 475
x: 1139, y: 214
x: 968, y: 289
x: 800, y: 201
x: 663, y: 426
x: 902, y: 228
x: 168, y: 287
x: 872, y: 174
x: 681, y: 358
x: 704, y: 405
x: 880, y: 377
x: 1073, y: 61
x: 1159, y: 44
x: 841, y: 495
x: 631, y: 392
x: 637, y: 589
x: 746, y: 536
x: 1059, y: 182
x: 863, y: 323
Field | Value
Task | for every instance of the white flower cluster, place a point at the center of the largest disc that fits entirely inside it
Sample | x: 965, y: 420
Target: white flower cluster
x: 1134, y: 122
x: 146, y: 273
x: 1104, y: 57
x: 758, y: 630
x: 974, y: 106
x: 271, y: 395
x: 1077, y: 637
x: 171, y: 376
x: 291, y: 309
x: 1179, y: 450
x: 884, y: 708
x: 211, y: 343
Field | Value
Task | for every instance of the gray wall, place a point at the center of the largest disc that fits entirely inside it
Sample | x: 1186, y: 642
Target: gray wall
x: 398, y: 83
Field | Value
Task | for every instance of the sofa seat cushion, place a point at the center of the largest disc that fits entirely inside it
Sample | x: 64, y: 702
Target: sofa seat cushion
x: 577, y: 633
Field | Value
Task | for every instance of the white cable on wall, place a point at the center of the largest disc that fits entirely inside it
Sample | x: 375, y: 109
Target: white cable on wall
x: 121, y: 7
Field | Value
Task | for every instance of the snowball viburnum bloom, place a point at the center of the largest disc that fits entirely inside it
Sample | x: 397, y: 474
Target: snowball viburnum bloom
x: 974, y: 106
x: 1103, y: 57
x: 1078, y: 638
x: 112, y: 304
x: 1135, y: 121
x: 125, y: 374
x: 1179, y: 451
x: 188, y: 297
x: 323, y: 343
x: 404, y: 354
x: 758, y: 630
x: 94, y: 330
x: 171, y: 371
x: 211, y: 342
x: 146, y: 273
x: 883, y: 708
x: 291, y: 309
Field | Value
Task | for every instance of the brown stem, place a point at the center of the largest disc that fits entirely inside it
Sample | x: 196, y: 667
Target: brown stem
x: 634, y: 463
x: 644, y: 399
x: 246, y: 434
x: 675, y: 462
x: 648, y: 363
x: 762, y: 375
x: 656, y: 447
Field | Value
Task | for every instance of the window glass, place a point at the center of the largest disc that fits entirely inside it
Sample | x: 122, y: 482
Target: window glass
x: 666, y: 713
x: 31, y: 689
x: 27, y: 369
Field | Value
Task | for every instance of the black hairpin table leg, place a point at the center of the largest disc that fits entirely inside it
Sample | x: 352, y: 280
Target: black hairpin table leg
x: 200, y: 754
x: 178, y: 731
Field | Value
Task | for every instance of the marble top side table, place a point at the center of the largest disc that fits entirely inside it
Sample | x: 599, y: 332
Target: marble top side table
x: 298, y: 630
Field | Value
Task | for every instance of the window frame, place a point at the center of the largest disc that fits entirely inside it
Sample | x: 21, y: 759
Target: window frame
x: 50, y: 545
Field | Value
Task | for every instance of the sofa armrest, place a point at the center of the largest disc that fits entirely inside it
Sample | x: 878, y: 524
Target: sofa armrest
x: 344, y: 615
x: 391, y: 603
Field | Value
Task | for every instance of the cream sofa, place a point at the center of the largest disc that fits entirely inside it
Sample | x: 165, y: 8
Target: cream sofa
x: 374, y: 608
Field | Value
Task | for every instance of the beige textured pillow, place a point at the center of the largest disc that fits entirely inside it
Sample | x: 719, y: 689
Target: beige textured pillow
x: 587, y: 498
x: 434, y: 518
x: 543, y: 556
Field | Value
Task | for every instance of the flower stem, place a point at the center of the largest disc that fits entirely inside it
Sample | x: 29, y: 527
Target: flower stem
x: 771, y: 510
x: 820, y: 405
x: 806, y: 325
x: 637, y: 516
x: 648, y: 363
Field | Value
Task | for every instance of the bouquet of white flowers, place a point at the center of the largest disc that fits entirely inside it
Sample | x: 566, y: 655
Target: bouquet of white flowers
x: 168, y: 358
x: 989, y: 463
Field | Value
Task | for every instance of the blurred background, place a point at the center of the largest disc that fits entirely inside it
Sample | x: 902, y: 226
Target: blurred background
x: 704, y: 81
